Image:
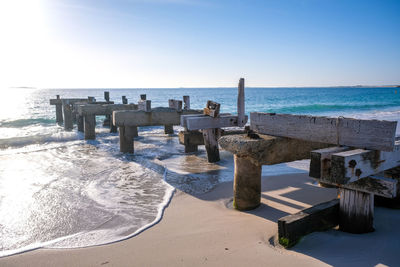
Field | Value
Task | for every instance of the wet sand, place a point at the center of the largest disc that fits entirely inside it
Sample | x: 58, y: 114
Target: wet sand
x: 205, y: 230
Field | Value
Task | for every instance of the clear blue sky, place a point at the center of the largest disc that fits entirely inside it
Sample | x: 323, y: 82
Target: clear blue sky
x: 195, y: 43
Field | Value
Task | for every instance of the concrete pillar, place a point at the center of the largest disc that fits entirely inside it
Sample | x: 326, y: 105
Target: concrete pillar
x: 79, y: 122
x: 89, y: 127
x: 211, y: 143
x: 246, y: 184
x: 68, y: 124
x: 126, y: 134
x: 356, y: 211
x: 168, y: 129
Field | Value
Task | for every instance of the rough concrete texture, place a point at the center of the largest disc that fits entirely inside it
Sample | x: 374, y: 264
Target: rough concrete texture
x: 268, y: 149
x: 246, y: 184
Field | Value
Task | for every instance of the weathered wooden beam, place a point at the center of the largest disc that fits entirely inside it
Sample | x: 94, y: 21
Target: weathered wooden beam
x: 368, y: 134
x: 60, y: 101
x: 143, y: 97
x: 91, y: 99
x: 191, y: 140
x: 206, y: 122
x: 89, y: 125
x: 212, y: 109
x: 126, y: 135
x: 320, y: 164
x: 68, y: 123
x: 157, y: 116
x: 211, y: 143
x: 186, y: 101
x: 104, y: 109
x: 175, y: 104
x: 107, y: 96
x: 168, y: 129
x: 79, y: 122
x: 380, y: 186
x: 124, y: 100
x: 317, y: 218
x: 240, y: 104
x: 144, y: 105
x: 356, y: 212
x: 59, y: 114
x: 349, y: 166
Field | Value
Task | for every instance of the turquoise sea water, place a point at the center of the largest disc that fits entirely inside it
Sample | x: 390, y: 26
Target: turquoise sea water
x: 58, y: 190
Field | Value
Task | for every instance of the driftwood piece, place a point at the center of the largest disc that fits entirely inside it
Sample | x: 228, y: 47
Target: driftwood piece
x: 317, y: 218
x: 367, y: 134
x: 212, y: 109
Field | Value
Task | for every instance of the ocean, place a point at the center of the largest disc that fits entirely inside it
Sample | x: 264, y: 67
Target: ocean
x: 59, y: 191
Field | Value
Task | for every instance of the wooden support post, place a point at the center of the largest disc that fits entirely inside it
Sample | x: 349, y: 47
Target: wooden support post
x: 356, y: 211
x: 126, y: 134
x: 191, y: 140
x: 106, y: 121
x: 113, y: 128
x: 89, y: 127
x: 211, y: 143
x: 59, y: 112
x: 246, y: 184
x: 143, y: 97
x: 68, y: 125
x: 124, y: 100
x: 175, y: 104
x: 186, y: 101
x: 240, y: 104
x: 168, y: 129
x: 91, y: 99
x: 80, y: 123
x: 107, y: 96
x: 144, y: 105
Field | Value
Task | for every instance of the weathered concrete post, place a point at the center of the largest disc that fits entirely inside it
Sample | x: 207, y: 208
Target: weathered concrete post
x: 124, y: 100
x: 79, y: 122
x: 247, y: 184
x: 89, y: 126
x: 126, y: 134
x: 68, y: 124
x: 59, y: 112
x: 186, y: 102
x: 211, y: 143
x: 356, y: 211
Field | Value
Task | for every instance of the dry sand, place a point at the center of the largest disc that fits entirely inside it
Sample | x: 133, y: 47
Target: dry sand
x: 204, y: 230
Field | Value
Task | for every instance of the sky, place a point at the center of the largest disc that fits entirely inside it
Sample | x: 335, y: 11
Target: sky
x: 198, y: 43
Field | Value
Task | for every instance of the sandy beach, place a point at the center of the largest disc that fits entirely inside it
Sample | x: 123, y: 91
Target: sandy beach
x: 205, y: 230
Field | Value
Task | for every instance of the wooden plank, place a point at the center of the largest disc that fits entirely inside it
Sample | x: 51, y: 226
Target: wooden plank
x: 317, y: 218
x: 367, y: 134
x: 320, y: 164
x: 212, y: 109
x: 349, y: 166
x: 199, y: 123
x: 240, y: 104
